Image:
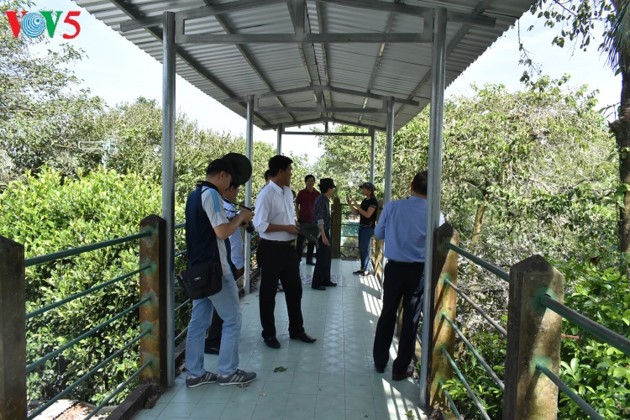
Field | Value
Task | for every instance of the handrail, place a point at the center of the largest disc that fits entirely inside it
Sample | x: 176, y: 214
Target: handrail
x: 475, y: 353
x: 492, y: 322
x: 610, y: 337
x: 118, y: 389
x: 80, y: 250
x: 47, y: 308
x: 484, y: 264
x: 186, y: 302
x: 576, y: 398
x: 89, y: 374
x: 88, y: 333
x: 469, y: 390
x: 184, y: 331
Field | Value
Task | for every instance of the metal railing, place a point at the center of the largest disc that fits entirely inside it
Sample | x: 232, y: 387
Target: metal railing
x: 535, y: 286
x: 13, y: 276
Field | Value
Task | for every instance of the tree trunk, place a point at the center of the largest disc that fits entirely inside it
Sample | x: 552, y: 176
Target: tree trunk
x: 478, y: 223
x: 621, y: 130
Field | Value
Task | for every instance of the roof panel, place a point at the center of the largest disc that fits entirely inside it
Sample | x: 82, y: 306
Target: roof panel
x: 348, y: 73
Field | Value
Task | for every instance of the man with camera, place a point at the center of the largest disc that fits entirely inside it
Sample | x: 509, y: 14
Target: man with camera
x: 213, y: 340
x: 207, y: 233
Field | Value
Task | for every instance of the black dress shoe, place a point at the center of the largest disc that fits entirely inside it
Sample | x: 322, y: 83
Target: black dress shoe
x: 402, y: 376
x: 318, y: 287
x: 359, y: 272
x: 211, y: 350
x: 310, y: 263
x: 304, y: 337
x: 330, y: 284
x: 379, y: 369
x: 272, y: 342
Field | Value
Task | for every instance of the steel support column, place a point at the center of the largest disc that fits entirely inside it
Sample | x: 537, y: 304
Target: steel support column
x: 249, y: 150
x: 279, y: 139
x: 389, y: 151
x: 435, y: 179
x: 372, y: 154
x: 168, y: 182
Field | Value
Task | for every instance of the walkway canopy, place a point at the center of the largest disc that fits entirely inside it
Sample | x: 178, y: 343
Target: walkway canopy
x: 283, y: 63
x: 316, y: 60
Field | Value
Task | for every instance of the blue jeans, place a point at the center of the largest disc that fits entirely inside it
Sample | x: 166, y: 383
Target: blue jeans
x: 365, y: 240
x: 227, y: 306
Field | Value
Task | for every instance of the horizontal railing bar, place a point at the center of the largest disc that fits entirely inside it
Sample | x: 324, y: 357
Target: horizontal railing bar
x: 118, y: 389
x: 451, y: 403
x: 608, y: 336
x: 576, y: 398
x: 85, y: 292
x: 492, y: 322
x: 89, y: 374
x: 184, y: 331
x: 466, y: 385
x: 180, y: 253
x: 180, y: 225
x: 476, y: 354
x: 80, y: 250
x: 88, y: 333
x: 186, y: 302
x: 488, y: 266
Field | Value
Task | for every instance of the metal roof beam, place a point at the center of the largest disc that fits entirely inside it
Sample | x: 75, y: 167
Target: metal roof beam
x: 198, y: 12
x: 332, y: 89
x: 460, y: 17
x: 327, y: 38
x: 246, y: 55
x: 318, y: 110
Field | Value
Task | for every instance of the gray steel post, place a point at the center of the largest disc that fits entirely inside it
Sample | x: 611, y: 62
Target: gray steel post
x: 389, y: 151
x: 249, y: 149
x: 372, y: 154
x: 435, y: 178
x: 168, y: 182
x: 279, y: 139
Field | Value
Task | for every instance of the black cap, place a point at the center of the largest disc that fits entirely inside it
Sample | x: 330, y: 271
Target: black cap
x: 325, y: 184
x: 367, y: 185
x: 241, y: 167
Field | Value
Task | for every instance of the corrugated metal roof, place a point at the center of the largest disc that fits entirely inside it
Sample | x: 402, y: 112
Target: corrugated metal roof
x: 345, y: 77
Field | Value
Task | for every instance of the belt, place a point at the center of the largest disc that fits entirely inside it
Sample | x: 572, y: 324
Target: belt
x: 367, y: 226
x: 404, y: 262
x: 279, y: 243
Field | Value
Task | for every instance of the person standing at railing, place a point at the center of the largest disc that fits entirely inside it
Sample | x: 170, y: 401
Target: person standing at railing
x: 323, y: 221
x: 213, y: 339
x: 276, y: 225
x: 207, y: 221
x: 304, y: 203
x: 367, y: 221
x: 403, y: 226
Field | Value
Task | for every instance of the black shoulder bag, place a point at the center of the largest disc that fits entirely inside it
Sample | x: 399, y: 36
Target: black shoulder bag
x: 205, y: 278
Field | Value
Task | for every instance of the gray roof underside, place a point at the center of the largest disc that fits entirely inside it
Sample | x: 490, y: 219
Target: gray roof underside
x: 296, y: 82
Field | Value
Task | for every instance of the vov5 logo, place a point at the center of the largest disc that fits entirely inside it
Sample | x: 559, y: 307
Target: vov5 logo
x: 33, y: 24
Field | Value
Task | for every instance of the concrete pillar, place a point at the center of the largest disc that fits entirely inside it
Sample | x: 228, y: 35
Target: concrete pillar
x: 12, y: 331
x: 533, y: 336
x: 153, y: 284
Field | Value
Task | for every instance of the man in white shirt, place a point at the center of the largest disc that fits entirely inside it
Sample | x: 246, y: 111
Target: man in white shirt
x: 275, y: 222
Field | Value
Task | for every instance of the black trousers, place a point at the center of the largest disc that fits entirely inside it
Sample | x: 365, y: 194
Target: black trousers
x: 278, y: 261
x: 321, y: 273
x: 213, y: 339
x: 403, y: 281
x: 310, y: 246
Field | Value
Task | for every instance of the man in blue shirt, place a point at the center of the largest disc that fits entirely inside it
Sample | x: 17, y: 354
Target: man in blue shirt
x: 403, y: 226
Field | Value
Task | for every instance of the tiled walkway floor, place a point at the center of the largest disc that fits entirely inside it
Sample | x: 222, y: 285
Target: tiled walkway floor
x: 333, y: 378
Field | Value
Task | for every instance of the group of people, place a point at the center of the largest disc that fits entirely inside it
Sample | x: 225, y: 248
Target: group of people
x: 212, y: 215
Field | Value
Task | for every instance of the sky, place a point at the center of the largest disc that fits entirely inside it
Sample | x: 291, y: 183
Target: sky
x: 118, y: 71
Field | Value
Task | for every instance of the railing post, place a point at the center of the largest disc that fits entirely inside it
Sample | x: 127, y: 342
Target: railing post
x: 445, y: 304
x: 12, y: 331
x: 533, y: 337
x: 153, y: 283
x: 336, y: 228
